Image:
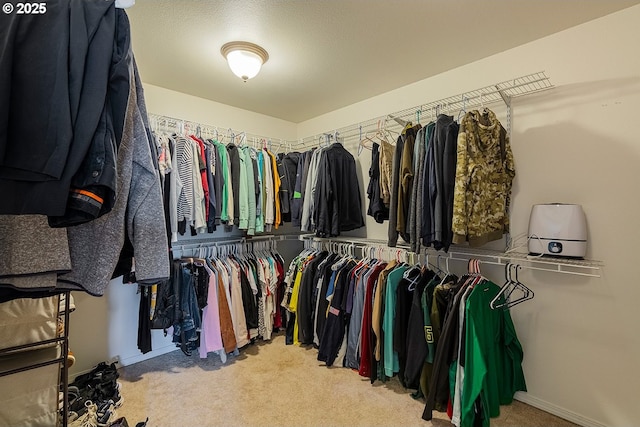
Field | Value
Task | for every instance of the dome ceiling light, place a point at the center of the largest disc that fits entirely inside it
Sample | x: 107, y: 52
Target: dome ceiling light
x: 245, y: 59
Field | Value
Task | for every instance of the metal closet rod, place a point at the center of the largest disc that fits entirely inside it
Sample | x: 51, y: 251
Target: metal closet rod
x: 485, y: 257
x: 362, y: 243
x: 204, y: 243
x: 503, y: 91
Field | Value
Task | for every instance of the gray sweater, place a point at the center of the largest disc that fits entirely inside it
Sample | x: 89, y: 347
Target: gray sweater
x: 32, y: 253
x: 415, y: 209
x: 95, y: 246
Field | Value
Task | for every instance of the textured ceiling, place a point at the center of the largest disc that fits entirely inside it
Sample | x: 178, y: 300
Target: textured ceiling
x: 326, y: 54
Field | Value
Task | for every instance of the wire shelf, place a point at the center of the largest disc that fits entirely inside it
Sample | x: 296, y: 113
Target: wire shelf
x: 577, y: 267
x: 497, y: 92
x: 162, y: 123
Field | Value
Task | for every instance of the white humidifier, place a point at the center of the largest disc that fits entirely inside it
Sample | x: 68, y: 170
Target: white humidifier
x: 558, y: 229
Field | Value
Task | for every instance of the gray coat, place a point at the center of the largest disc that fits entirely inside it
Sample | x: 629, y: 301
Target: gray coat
x: 95, y: 246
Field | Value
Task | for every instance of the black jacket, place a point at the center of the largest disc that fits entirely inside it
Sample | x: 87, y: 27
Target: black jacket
x: 234, y: 164
x: 338, y: 206
x: 376, y: 209
x: 440, y: 188
x: 290, y: 166
x: 74, y: 111
x: 296, y: 198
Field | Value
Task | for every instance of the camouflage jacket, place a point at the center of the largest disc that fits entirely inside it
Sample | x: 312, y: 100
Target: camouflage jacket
x: 484, y: 173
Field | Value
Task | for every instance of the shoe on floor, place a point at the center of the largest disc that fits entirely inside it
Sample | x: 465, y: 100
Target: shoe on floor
x: 89, y: 418
x: 109, y: 391
x: 100, y: 374
x: 106, y: 414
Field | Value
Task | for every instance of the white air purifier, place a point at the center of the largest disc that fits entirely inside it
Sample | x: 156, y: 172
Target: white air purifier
x: 558, y: 229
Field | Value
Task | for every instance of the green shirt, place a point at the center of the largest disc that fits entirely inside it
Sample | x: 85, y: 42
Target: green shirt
x: 391, y: 361
x: 493, y: 356
x: 224, y: 174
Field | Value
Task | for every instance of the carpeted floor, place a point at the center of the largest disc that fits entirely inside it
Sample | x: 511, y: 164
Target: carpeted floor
x: 271, y: 384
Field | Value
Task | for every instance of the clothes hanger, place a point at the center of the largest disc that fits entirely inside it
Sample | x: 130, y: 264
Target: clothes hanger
x: 505, y: 291
x: 408, y: 273
x: 463, y: 110
x: 363, y: 142
x: 527, y: 292
x: 336, y: 137
x: 485, y: 110
x: 509, y: 287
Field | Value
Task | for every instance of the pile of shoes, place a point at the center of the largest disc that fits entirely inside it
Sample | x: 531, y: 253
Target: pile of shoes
x: 94, y: 397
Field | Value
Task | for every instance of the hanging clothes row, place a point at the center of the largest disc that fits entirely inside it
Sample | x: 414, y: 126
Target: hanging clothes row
x: 444, y: 183
x: 478, y: 354
x: 389, y: 318
x: 218, y: 300
x: 207, y: 184
x: 327, y: 193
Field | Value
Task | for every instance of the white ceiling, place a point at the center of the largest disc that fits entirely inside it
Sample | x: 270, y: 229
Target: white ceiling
x: 326, y: 54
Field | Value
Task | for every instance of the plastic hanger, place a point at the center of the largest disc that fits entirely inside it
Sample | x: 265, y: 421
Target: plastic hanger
x: 505, y: 291
x: 527, y: 292
x: 509, y: 287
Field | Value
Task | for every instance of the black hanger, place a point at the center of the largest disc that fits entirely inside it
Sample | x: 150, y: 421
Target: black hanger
x: 509, y: 286
x: 527, y: 293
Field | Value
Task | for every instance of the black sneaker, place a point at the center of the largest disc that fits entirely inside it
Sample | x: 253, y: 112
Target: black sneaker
x: 76, y: 401
x: 106, y: 413
x: 106, y: 392
x: 101, y: 373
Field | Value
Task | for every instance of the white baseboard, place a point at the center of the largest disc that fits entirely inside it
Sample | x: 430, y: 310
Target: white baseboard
x: 130, y: 360
x: 557, y: 410
x: 142, y: 357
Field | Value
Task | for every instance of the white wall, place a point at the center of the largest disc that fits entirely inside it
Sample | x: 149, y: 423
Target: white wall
x: 179, y: 105
x: 106, y: 327
x: 576, y: 143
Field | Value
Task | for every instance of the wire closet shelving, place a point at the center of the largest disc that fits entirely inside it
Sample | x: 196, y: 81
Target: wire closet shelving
x: 504, y: 92
x: 498, y: 92
x: 577, y: 267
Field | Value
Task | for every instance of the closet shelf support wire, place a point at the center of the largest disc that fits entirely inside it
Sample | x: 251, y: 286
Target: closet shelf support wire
x: 497, y: 92
x: 576, y: 267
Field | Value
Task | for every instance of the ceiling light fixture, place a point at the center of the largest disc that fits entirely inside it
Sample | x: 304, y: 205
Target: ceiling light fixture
x: 245, y: 59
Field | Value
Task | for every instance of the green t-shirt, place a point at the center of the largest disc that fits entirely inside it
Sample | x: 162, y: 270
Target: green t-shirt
x: 493, y: 356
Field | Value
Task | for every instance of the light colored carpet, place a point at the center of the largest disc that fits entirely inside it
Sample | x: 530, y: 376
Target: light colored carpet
x: 271, y: 384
